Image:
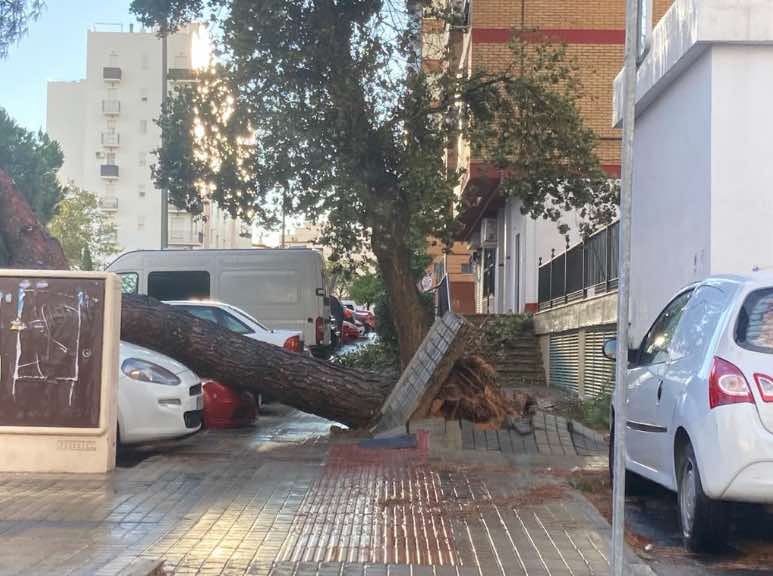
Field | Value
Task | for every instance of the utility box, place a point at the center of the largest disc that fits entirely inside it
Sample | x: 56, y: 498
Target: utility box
x: 59, y: 342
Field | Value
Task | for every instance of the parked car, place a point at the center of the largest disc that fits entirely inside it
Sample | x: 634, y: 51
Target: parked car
x: 351, y: 332
x: 284, y: 288
x: 225, y: 407
x: 357, y: 314
x: 158, y: 398
x: 700, y: 402
x: 237, y: 320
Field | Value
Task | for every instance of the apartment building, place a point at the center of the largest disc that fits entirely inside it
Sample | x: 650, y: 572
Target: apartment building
x: 522, y: 264
x: 106, y: 126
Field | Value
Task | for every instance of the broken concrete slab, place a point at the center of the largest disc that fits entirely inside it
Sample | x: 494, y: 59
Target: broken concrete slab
x: 430, y: 366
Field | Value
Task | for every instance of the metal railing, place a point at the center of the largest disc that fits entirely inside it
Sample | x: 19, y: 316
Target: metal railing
x: 111, y: 139
x: 111, y: 107
x: 583, y: 270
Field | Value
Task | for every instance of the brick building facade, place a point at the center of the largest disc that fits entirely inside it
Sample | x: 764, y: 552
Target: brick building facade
x: 506, y: 260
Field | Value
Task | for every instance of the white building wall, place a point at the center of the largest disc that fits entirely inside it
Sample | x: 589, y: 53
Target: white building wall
x: 76, y: 119
x: 65, y: 112
x: 742, y: 171
x: 671, y: 184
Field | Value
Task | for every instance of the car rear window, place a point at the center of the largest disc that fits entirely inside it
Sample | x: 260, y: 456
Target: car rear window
x: 755, y: 322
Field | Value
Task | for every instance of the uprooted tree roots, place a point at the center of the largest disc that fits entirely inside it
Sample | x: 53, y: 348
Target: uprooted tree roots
x: 471, y: 393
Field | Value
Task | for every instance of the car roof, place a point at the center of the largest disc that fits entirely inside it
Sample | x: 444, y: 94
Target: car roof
x: 195, y: 303
x: 756, y: 279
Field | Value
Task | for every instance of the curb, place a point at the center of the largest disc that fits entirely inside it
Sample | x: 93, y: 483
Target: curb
x: 576, y: 427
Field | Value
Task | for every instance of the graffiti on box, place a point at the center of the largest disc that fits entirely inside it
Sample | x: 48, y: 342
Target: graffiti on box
x: 50, y: 351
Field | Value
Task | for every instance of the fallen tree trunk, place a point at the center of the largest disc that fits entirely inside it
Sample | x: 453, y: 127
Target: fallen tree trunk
x: 352, y: 397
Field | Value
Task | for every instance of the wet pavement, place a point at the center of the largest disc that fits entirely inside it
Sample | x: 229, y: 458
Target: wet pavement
x: 286, y: 498
x: 653, y: 516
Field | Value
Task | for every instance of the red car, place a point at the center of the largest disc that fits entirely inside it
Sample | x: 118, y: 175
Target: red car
x: 225, y: 407
x: 367, y: 319
x: 351, y: 332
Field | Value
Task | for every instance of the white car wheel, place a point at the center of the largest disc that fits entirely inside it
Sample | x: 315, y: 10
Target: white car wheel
x: 703, y: 520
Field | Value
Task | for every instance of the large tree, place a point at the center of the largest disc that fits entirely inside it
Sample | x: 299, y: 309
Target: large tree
x: 327, y: 102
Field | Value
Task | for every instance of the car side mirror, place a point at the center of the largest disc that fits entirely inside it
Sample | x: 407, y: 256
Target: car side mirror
x: 610, y: 348
x: 610, y: 351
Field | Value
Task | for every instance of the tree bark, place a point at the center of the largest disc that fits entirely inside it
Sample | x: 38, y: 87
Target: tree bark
x: 409, y: 314
x: 351, y: 397
x: 27, y: 243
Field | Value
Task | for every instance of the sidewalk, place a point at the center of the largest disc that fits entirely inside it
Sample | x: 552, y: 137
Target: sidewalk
x: 286, y: 499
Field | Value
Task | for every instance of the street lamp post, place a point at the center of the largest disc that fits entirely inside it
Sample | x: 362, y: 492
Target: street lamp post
x: 632, y: 28
x: 164, y: 192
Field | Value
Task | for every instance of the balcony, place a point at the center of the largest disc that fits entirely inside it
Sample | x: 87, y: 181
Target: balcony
x: 109, y: 171
x: 108, y: 204
x: 181, y: 75
x: 111, y: 139
x: 111, y: 74
x: 111, y: 107
x: 586, y: 269
x: 185, y: 238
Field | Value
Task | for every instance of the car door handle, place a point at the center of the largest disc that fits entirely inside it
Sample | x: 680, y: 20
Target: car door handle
x: 660, y: 390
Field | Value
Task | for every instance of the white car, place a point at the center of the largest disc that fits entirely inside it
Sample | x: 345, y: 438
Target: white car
x: 158, y: 398
x: 237, y: 320
x: 700, y: 402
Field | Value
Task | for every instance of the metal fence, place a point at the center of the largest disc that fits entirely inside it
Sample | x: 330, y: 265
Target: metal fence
x: 583, y: 270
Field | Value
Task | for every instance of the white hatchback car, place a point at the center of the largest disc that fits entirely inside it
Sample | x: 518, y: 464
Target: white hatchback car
x: 158, y: 398
x: 700, y: 401
x: 237, y: 320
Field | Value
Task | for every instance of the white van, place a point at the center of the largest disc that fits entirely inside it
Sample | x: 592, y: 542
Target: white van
x: 283, y: 288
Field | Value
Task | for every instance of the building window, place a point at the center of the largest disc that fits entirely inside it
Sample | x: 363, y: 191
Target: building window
x: 144, y: 94
x: 143, y: 126
x: 466, y: 267
x: 141, y: 190
x: 489, y: 269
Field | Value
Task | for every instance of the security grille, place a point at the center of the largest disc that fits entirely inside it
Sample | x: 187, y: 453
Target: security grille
x: 564, y: 360
x: 599, y: 370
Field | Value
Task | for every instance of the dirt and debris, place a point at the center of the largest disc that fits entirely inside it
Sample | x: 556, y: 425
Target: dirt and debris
x: 471, y: 393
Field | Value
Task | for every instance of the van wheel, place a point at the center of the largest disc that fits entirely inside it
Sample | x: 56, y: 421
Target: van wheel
x: 703, y: 521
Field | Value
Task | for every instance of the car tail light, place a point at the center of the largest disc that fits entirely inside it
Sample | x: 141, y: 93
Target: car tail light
x: 765, y: 386
x: 293, y: 344
x: 727, y: 385
x: 320, y: 326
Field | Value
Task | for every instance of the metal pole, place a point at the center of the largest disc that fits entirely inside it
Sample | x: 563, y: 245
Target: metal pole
x: 624, y: 291
x: 164, y: 192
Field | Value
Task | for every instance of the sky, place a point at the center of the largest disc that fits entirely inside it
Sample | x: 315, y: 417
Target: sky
x: 54, y: 49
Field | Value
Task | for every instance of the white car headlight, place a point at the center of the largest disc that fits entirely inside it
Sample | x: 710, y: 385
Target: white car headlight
x: 145, y: 371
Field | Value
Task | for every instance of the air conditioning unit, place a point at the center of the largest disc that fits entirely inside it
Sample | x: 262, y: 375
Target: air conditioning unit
x: 488, y: 231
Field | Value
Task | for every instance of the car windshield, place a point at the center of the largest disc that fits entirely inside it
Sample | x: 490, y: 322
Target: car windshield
x: 239, y: 312
x: 755, y: 322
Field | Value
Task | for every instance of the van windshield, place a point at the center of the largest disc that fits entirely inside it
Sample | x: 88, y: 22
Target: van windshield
x: 754, y: 330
